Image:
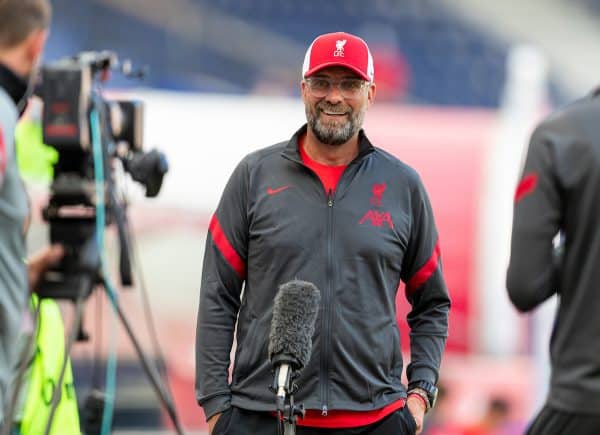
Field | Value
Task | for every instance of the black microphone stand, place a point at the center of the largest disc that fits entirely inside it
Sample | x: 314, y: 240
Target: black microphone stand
x: 287, y: 410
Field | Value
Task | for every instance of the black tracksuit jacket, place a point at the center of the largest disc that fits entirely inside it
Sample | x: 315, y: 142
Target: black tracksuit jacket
x: 275, y: 223
x: 560, y: 191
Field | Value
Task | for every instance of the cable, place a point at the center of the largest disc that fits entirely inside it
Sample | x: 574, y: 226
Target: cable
x: 111, y: 372
x: 111, y: 363
x: 97, y: 342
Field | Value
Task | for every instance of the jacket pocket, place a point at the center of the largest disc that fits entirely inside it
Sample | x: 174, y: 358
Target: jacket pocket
x: 364, y: 360
x: 409, y: 420
x: 247, y: 350
x: 223, y: 421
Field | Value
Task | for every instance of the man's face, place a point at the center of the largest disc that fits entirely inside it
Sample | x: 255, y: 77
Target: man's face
x: 336, y: 100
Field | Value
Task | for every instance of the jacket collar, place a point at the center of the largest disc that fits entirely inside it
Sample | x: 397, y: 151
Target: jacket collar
x: 14, y: 86
x: 292, y: 152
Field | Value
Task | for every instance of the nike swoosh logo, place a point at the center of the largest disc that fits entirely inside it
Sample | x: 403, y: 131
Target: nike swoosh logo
x: 276, y: 191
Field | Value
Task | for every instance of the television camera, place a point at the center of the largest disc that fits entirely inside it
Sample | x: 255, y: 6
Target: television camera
x: 75, y: 116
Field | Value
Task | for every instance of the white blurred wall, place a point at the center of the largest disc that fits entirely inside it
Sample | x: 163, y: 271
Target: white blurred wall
x: 205, y: 136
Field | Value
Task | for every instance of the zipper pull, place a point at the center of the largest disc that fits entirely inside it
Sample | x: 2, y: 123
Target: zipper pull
x: 324, y: 411
x: 330, y: 198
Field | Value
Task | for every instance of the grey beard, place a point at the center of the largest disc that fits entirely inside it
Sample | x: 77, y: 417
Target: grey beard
x: 331, y: 134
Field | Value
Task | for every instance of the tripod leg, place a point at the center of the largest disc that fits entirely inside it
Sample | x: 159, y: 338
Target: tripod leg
x: 57, y: 393
x: 150, y: 370
x: 289, y: 428
x: 279, y: 423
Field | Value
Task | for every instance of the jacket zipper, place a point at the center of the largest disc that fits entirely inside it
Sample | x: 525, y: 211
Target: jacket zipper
x: 326, y: 299
x: 327, y: 303
x: 327, y: 296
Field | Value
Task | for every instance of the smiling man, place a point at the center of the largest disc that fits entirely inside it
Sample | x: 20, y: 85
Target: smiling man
x: 326, y: 207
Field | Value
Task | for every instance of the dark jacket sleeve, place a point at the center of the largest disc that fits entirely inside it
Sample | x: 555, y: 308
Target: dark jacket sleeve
x: 426, y: 291
x: 532, y: 273
x: 223, y: 274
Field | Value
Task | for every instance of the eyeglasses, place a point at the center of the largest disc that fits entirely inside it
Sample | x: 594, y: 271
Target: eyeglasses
x: 349, y: 88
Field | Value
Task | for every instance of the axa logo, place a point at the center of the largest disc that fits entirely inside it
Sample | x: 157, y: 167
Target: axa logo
x: 377, y: 192
x: 339, y: 48
x: 377, y: 218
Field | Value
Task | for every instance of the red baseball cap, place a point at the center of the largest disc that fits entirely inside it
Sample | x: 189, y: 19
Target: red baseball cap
x: 339, y: 49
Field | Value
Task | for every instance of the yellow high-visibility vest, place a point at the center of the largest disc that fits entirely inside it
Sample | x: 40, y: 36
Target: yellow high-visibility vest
x: 43, y: 377
x: 34, y: 158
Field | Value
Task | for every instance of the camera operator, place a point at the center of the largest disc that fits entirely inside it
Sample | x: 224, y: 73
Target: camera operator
x: 23, y: 33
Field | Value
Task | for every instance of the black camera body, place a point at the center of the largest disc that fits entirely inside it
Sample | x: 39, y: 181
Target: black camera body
x: 68, y: 88
x: 72, y: 93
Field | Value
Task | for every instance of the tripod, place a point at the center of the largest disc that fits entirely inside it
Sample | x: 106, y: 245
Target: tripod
x: 86, y: 286
x: 284, y: 388
x: 286, y: 418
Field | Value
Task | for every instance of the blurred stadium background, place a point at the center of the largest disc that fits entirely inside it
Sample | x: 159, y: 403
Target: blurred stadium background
x: 460, y: 85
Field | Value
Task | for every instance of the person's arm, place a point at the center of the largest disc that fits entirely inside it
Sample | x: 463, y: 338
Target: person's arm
x: 427, y: 293
x: 7, y: 135
x: 223, y: 274
x: 533, y: 273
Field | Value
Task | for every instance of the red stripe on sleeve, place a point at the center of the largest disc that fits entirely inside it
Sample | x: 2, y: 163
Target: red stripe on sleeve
x: 424, y: 272
x: 230, y: 255
x: 526, y: 186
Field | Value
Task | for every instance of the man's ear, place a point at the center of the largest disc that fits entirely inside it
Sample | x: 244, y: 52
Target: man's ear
x: 303, y: 90
x: 371, y: 94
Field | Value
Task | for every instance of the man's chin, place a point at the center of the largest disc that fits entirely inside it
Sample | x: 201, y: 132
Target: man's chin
x: 331, y: 133
x: 331, y: 139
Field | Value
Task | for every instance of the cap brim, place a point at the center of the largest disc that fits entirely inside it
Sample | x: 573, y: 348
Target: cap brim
x: 318, y: 68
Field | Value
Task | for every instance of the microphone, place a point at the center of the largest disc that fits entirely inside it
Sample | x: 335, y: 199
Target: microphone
x: 290, y: 340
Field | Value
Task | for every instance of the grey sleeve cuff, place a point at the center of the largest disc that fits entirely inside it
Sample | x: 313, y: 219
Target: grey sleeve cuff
x: 216, y: 404
x: 423, y: 373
